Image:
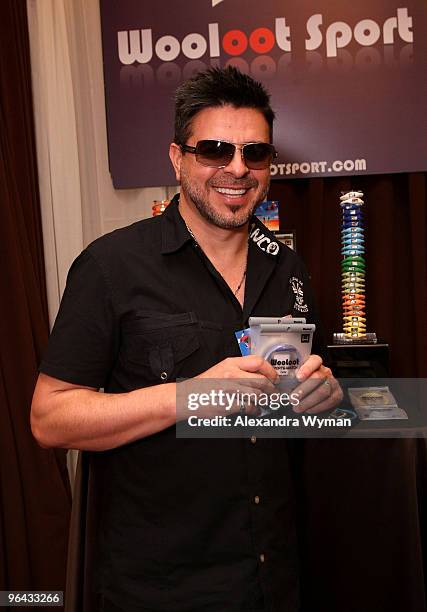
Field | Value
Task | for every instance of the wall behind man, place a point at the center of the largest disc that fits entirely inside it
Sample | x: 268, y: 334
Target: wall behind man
x: 77, y: 197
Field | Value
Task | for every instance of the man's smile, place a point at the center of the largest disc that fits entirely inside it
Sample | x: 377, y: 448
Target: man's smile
x: 231, y: 191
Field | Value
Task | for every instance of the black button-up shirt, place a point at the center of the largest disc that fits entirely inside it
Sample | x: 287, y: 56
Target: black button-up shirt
x: 187, y: 524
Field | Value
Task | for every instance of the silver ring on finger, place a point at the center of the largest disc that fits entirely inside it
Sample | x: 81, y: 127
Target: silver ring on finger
x: 328, y: 384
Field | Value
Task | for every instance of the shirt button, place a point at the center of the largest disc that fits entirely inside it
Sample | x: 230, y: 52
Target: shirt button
x: 262, y: 557
x: 253, y: 439
x: 164, y: 375
x: 256, y: 499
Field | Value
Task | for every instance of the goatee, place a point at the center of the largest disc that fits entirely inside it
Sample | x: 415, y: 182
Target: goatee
x: 201, y: 202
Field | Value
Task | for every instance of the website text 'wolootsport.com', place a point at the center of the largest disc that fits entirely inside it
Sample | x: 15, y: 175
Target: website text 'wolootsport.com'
x: 318, y: 167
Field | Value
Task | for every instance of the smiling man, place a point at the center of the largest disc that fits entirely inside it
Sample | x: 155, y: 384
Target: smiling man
x: 186, y: 525
x: 226, y: 199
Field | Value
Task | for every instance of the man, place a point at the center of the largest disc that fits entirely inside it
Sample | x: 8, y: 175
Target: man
x: 187, y: 524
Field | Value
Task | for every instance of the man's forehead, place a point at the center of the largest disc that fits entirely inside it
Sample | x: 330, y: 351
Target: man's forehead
x: 230, y: 123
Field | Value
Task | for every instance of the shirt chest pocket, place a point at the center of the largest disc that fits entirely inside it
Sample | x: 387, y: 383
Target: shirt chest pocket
x: 158, y: 347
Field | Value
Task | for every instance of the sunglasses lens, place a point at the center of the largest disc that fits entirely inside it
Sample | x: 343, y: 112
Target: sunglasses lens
x: 218, y: 154
x: 214, y: 153
x: 258, y: 155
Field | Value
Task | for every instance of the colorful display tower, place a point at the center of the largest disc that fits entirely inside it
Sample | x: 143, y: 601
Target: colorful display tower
x: 353, y: 268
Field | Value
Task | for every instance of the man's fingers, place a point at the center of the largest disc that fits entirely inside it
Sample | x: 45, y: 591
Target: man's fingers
x: 254, y: 363
x: 249, y: 405
x: 313, y: 363
x: 331, y: 402
x: 312, y: 392
x: 234, y: 367
x: 256, y: 381
x: 324, y: 396
x: 317, y: 389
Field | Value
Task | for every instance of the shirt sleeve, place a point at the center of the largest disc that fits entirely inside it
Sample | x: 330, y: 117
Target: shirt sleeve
x: 83, y: 344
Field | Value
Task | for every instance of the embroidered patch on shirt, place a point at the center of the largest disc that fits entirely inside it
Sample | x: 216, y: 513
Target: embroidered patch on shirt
x: 263, y: 242
x: 297, y: 287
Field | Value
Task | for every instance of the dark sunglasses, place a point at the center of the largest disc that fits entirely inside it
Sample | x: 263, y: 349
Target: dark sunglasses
x: 219, y: 153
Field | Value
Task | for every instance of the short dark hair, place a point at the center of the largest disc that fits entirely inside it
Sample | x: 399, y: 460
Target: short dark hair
x: 218, y: 87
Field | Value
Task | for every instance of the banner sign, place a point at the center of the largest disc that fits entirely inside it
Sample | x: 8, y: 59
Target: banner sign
x: 348, y: 80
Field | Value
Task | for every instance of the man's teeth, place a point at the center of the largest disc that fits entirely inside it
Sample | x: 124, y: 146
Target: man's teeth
x: 227, y: 191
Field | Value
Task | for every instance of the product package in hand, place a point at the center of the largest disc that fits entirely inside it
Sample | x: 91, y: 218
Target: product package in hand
x: 285, y: 343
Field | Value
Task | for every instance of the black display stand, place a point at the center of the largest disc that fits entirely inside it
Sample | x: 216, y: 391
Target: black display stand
x: 359, y: 360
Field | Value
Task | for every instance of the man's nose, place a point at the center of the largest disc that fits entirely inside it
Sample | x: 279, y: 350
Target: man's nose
x: 237, y: 166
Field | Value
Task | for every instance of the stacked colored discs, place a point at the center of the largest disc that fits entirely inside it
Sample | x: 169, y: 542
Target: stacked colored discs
x: 353, y: 265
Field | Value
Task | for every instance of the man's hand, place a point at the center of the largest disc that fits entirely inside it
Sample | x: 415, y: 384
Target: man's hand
x: 255, y: 370
x: 319, y: 390
x: 230, y: 378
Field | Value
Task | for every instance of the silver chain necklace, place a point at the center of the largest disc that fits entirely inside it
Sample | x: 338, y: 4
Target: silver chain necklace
x: 239, y: 286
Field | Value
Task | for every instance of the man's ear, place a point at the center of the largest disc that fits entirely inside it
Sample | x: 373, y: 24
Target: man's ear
x: 175, y: 155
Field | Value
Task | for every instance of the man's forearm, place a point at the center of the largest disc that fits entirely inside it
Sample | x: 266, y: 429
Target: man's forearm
x: 87, y: 420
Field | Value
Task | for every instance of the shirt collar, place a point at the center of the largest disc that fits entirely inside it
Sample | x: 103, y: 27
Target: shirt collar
x: 264, y: 240
x: 174, y: 231
x: 263, y: 256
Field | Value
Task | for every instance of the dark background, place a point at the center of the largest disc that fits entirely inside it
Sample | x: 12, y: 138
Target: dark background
x: 35, y: 496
